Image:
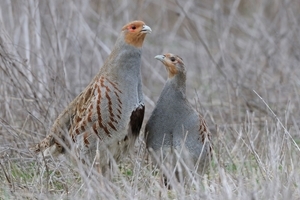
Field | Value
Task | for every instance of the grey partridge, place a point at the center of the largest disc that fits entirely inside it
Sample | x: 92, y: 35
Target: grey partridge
x: 107, y: 115
x: 175, y: 132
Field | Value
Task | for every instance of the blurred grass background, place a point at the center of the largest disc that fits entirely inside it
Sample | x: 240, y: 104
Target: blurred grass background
x: 235, y: 51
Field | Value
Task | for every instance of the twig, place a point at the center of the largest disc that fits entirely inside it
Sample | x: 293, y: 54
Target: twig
x: 6, y: 176
x: 278, y: 120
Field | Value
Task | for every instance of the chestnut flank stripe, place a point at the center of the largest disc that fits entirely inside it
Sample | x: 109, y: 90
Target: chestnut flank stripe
x: 85, y: 139
x: 114, y: 85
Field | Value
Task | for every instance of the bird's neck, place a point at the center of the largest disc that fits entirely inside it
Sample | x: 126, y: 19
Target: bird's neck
x: 124, y: 60
x: 178, y: 83
x: 174, y: 89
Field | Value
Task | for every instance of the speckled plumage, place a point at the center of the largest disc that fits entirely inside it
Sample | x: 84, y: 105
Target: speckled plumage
x: 109, y: 112
x: 174, y: 127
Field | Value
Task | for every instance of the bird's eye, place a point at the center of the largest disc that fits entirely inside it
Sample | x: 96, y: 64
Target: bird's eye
x: 133, y: 27
x: 172, y: 59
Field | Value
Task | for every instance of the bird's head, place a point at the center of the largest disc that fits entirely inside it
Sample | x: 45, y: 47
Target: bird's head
x: 135, y: 32
x: 173, y: 63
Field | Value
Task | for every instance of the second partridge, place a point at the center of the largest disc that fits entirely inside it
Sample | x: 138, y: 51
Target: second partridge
x: 175, y: 131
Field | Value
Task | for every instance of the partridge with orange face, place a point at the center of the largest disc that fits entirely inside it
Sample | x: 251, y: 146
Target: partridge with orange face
x: 175, y: 132
x: 108, y: 114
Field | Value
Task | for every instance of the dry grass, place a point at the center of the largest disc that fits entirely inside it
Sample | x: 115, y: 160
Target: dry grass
x: 243, y: 75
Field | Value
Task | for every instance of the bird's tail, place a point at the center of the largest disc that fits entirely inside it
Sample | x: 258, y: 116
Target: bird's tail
x: 44, y: 144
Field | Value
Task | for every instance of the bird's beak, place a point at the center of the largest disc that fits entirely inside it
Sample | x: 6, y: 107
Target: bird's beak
x: 146, y: 29
x: 160, y: 57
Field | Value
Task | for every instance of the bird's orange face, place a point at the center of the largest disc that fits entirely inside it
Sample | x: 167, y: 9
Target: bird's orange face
x: 135, y: 33
x: 173, y: 63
